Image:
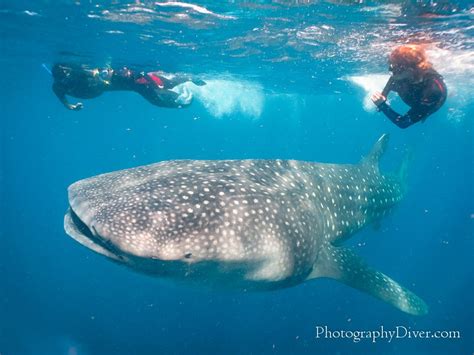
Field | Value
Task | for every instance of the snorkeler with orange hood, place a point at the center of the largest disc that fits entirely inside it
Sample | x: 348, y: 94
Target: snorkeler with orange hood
x: 416, y: 82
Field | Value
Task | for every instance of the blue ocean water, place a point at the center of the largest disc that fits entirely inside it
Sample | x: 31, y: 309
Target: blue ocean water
x: 286, y: 80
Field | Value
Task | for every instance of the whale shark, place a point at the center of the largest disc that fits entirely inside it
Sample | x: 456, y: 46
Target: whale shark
x: 241, y: 224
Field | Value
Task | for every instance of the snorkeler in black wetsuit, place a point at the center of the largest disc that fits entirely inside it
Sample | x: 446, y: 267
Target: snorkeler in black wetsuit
x: 81, y: 82
x: 417, y: 84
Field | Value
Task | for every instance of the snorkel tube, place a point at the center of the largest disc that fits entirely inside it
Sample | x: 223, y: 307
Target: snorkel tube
x: 45, y: 67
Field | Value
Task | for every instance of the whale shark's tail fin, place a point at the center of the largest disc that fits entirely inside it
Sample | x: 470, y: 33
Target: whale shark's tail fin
x: 379, y: 148
x: 343, y: 265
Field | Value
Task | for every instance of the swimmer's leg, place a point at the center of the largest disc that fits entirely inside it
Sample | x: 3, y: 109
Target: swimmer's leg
x: 171, y: 80
x: 165, y: 98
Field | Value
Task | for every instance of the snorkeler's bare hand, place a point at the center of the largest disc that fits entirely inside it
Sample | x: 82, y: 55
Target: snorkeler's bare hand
x: 76, y: 107
x: 378, y: 98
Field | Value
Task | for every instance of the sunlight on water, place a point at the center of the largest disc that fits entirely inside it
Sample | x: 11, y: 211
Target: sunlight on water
x: 225, y: 97
x: 196, y: 8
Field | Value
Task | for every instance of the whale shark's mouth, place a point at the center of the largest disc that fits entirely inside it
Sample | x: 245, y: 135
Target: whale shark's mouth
x: 80, y: 232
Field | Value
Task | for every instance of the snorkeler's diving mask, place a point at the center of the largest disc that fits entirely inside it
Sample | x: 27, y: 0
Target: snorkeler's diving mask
x: 105, y: 75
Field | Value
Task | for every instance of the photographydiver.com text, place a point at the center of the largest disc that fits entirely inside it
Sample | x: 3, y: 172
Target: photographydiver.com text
x: 398, y: 332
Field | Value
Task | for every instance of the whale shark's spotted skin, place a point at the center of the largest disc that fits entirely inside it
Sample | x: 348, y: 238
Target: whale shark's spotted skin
x: 253, y: 224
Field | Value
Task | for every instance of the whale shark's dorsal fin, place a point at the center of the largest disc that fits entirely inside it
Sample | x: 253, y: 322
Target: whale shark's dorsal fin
x: 377, y: 151
x: 342, y: 264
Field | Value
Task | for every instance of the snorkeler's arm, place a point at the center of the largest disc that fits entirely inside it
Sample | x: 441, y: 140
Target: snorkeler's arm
x: 378, y: 98
x: 61, y: 94
x: 414, y: 115
x: 388, y: 87
x: 433, y: 98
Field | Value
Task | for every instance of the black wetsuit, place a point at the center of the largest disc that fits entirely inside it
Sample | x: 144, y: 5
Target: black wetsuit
x: 152, y: 86
x: 80, y: 82
x: 74, y: 80
x: 424, y: 98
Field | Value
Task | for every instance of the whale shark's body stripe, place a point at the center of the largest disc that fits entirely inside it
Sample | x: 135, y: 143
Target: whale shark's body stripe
x: 253, y: 224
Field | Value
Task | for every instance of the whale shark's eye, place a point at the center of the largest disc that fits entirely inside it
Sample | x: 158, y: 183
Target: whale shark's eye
x: 188, y: 255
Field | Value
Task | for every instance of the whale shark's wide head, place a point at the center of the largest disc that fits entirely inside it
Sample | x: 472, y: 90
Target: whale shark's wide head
x: 252, y: 224
x: 246, y: 217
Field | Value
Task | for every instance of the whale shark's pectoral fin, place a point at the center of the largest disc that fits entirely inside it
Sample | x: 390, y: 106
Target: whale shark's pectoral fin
x: 343, y: 265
